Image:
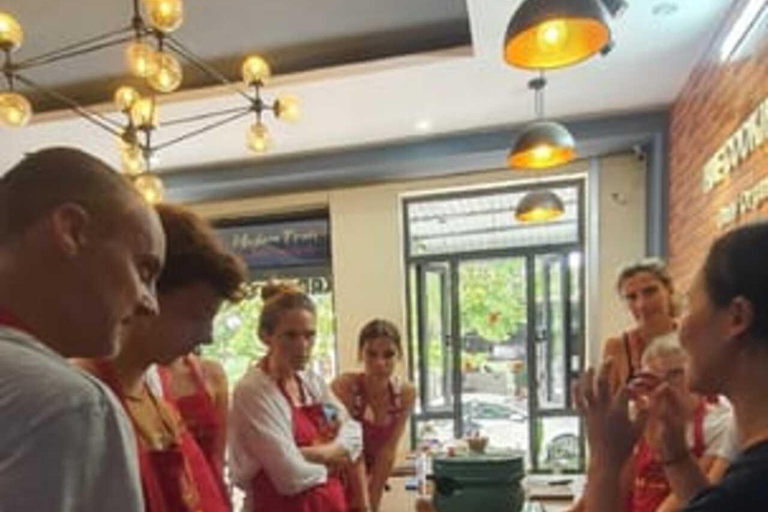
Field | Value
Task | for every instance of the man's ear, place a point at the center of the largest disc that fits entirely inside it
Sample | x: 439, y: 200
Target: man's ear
x: 70, y: 224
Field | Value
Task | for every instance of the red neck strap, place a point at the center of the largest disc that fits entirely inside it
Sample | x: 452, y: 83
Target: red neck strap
x: 8, y: 319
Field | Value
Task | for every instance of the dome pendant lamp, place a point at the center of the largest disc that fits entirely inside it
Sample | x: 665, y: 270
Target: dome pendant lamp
x: 539, y: 206
x: 549, y: 34
x: 542, y: 144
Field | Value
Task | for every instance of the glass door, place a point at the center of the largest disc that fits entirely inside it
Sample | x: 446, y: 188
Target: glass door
x: 557, y: 340
x: 498, y: 346
x: 435, y: 360
x: 493, y: 310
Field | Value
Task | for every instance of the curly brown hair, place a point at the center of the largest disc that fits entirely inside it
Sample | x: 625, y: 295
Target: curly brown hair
x: 195, y: 254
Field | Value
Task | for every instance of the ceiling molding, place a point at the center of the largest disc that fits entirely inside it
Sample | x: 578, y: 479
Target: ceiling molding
x: 438, y: 156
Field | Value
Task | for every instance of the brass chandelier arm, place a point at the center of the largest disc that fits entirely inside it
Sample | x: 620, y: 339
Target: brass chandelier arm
x: 81, y: 48
x: 207, y: 115
x: 99, y: 120
x: 188, y: 55
x: 204, y: 129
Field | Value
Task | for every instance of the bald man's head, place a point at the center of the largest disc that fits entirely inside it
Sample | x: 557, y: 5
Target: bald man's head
x: 76, y: 236
x: 47, y: 179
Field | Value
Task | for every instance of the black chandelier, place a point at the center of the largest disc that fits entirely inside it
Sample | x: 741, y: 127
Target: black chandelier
x: 152, y: 54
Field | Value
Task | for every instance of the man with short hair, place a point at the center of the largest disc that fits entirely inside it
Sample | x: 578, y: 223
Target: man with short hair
x: 80, y: 252
x: 199, y: 275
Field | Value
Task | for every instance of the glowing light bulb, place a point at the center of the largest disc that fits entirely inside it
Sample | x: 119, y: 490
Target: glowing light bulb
x: 150, y: 186
x: 165, y: 15
x: 142, y: 59
x: 258, y: 138
x: 255, y: 70
x: 552, y: 35
x: 288, y: 108
x: 541, y: 214
x: 125, y: 97
x: 144, y: 113
x: 542, y: 153
x: 132, y: 159
x: 168, y: 76
x: 11, y: 34
x: 15, y: 110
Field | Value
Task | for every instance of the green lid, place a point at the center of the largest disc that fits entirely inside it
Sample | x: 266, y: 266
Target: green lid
x: 474, y: 467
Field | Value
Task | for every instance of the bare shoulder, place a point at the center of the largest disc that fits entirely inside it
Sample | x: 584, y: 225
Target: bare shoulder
x: 612, y: 346
x: 342, y: 385
x: 214, y: 371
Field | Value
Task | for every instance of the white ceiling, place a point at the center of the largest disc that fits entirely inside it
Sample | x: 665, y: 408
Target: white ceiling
x: 418, y: 96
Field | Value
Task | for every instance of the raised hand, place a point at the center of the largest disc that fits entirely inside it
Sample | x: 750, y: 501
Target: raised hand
x: 665, y: 431
x: 610, y: 431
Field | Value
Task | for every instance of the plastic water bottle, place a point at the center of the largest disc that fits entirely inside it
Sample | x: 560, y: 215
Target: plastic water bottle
x: 422, y: 471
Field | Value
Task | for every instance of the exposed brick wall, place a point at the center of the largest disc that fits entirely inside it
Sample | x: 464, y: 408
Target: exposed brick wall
x: 714, y: 102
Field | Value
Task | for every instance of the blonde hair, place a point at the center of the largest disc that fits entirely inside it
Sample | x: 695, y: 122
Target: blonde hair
x: 658, y: 269
x: 278, y: 298
x: 662, y: 347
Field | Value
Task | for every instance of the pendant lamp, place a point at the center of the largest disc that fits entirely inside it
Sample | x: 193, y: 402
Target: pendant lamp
x: 542, y: 144
x: 539, y: 206
x: 549, y: 34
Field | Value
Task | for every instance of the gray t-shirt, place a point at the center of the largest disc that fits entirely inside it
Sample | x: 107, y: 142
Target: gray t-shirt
x: 65, y: 442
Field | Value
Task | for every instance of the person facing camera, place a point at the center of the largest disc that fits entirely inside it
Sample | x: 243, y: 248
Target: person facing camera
x: 725, y: 334
x: 648, y: 292
x: 378, y: 400
x: 292, y: 443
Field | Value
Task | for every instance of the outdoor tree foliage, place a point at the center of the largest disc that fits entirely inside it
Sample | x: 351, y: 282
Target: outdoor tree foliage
x: 236, y: 343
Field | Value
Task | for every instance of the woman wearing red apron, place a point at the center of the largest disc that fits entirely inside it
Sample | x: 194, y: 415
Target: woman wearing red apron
x: 378, y: 401
x: 198, y: 275
x: 647, y: 290
x: 198, y: 388
x: 711, y: 438
x: 291, y: 441
x: 174, y: 473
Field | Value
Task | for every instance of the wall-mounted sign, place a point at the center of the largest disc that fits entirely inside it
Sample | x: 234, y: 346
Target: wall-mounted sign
x: 284, y: 243
x: 312, y: 285
x: 745, y: 141
x: 749, y: 200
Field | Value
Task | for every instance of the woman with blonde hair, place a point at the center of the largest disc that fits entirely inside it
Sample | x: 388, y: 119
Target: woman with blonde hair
x: 725, y: 335
x: 648, y: 292
x: 291, y: 442
x: 710, y: 432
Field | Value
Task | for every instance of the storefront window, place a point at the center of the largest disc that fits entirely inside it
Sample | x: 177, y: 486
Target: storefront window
x: 294, y: 250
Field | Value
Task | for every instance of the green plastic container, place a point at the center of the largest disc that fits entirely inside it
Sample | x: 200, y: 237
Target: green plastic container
x: 479, y: 483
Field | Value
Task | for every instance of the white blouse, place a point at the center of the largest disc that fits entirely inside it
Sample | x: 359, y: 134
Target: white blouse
x: 261, y: 434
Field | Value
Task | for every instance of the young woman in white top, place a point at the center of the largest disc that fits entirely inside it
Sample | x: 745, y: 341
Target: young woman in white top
x: 293, y: 446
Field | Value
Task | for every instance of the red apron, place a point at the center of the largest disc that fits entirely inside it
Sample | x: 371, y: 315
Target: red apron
x: 375, y: 437
x: 177, y: 478
x: 308, y: 425
x: 199, y: 414
x: 8, y: 319
x: 651, y: 486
